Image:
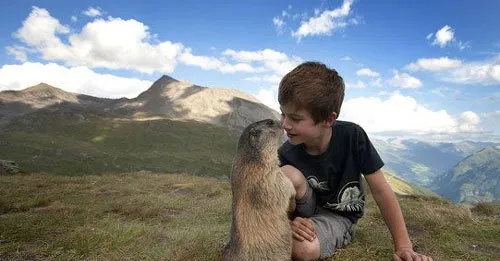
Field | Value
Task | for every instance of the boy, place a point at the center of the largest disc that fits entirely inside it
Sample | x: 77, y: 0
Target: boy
x: 324, y: 159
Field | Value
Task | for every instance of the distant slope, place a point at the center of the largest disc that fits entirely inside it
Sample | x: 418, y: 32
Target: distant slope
x: 75, y: 141
x: 181, y: 100
x: 402, y: 187
x: 40, y: 96
x: 475, y: 179
x: 167, y: 98
x: 421, y: 162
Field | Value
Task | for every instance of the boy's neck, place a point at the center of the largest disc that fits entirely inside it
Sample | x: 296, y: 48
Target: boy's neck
x: 320, y: 145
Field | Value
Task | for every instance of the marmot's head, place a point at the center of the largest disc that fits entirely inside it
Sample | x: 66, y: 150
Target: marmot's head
x: 260, y: 140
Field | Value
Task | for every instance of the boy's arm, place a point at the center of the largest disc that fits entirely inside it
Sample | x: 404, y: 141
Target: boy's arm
x: 390, y: 210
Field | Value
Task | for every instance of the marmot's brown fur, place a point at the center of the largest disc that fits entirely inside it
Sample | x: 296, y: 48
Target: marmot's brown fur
x: 260, y: 228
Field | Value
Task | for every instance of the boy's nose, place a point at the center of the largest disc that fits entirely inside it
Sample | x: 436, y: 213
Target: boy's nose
x: 284, y: 123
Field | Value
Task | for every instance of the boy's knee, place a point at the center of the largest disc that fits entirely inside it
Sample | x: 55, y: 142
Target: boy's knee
x: 306, y: 250
x: 297, y: 178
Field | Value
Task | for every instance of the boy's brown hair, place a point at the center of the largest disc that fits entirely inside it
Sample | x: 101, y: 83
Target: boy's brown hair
x: 314, y: 87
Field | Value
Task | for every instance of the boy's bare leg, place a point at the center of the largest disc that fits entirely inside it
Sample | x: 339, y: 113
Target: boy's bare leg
x: 306, y: 245
x: 297, y: 178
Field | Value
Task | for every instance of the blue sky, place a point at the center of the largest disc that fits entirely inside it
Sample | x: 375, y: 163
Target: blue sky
x: 422, y: 69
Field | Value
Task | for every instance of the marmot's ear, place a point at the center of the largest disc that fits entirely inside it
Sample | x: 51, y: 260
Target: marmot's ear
x: 253, y: 132
x: 255, y: 137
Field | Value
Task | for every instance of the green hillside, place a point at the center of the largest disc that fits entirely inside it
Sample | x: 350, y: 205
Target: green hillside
x: 158, y: 216
x: 475, y: 179
x: 77, y: 142
x: 402, y: 187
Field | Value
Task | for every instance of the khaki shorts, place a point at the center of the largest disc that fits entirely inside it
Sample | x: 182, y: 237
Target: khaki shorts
x: 334, y: 231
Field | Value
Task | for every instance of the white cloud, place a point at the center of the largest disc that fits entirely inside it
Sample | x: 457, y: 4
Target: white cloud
x: 444, y: 36
x: 429, y: 36
x: 278, y: 24
x: 356, y: 85
x: 74, y: 18
x: 269, y: 97
x: 249, y: 56
x: 101, y: 43
x: 434, y: 64
x: 211, y: 63
x: 346, y: 58
x: 19, y: 52
x: 367, y: 72
x: 271, y: 60
x: 40, y: 29
x: 486, y: 72
x: 404, y: 80
x: 74, y: 79
x: 274, y: 79
x: 468, y: 122
x: 404, y: 114
x: 326, y: 22
x: 92, y: 12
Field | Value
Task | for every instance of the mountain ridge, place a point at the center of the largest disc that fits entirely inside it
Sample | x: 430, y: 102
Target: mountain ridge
x: 473, y: 180
x: 165, y: 98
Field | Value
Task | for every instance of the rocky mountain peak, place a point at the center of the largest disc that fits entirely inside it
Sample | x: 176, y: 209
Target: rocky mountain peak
x: 163, y: 81
x: 39, y: 96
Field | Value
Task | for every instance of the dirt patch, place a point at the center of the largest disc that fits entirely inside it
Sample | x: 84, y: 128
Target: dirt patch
x: 484, y: 248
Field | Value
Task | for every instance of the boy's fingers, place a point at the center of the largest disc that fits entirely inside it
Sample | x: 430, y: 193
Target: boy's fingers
x: 396, y: 258
x: 306, y: 234
x: 308, y: 223
x: 303, y: 230
x: 304, y: 223
x: 298, y: 237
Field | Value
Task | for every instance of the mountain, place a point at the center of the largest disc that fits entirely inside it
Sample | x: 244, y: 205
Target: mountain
x: 173, y: 126
x: 181, y: 100
x: 40, y: 96
x: 167, y: 98
x: 475, y: 179
x: 421, y: 162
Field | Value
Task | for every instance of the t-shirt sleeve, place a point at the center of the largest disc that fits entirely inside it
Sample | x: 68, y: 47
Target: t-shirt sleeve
x: 368, y: 159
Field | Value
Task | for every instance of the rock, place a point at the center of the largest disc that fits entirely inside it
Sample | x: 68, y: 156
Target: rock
x: 8, y: 167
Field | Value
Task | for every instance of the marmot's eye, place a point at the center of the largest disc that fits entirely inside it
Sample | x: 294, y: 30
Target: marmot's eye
x: 270, y: 123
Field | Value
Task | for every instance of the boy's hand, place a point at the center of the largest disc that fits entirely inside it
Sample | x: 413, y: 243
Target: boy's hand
x: 410, y: 255
x: 302, y: 229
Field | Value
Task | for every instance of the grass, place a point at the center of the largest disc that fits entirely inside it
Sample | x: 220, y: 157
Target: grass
x: 154, y: 216
x: 59, y: 144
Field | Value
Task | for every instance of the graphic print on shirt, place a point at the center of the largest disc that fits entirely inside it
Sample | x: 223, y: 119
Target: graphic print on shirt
x: 316, y: 185
x: 349, y: 199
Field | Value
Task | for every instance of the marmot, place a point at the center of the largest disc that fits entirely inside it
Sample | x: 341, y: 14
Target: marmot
x: 260, y: 228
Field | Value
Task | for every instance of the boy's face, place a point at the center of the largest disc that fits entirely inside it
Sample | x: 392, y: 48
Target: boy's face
x: 300, y: 127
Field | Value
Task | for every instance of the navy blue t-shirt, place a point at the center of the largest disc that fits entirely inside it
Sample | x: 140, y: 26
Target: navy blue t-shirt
x: 335, y: 175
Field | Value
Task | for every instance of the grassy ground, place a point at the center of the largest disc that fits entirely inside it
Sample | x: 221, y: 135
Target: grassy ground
x: 62, y: 145
x: 150, y: 216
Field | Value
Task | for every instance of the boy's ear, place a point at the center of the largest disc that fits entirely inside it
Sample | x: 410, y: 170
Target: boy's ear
x: 330, y: 120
